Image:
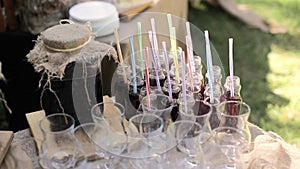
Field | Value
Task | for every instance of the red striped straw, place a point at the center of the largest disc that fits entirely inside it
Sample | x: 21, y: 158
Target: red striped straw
x: 147, y: 76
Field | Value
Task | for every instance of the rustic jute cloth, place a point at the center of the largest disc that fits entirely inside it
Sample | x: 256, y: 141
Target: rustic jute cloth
x: 271, y: 151
x: 62, y: 44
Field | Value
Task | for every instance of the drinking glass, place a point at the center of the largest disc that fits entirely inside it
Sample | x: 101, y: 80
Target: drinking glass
x: 214, y: 119
x: 231, y: 142
x: 61, y: 149
x: 148, y: 128
x: 160, y: 105
x: 109, y: 113
x: 85, y: 135
x: 234, y: 114
x: 189, y: 136
x: 189, y: 100
x: 200, y: 113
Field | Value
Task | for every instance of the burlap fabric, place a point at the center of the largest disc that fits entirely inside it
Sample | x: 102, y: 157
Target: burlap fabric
x: 270, y: 151
x: 45, y: 60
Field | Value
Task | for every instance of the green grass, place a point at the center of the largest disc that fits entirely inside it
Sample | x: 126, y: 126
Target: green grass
x: 267, y: 64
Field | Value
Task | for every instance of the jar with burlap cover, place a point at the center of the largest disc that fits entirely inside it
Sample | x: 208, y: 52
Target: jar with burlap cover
x: 69, y: 62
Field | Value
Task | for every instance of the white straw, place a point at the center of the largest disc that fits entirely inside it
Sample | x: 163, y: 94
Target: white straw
x: 231, y: 66
x: 190, y: 44
x: 155, y: 43
x: 209, y: 66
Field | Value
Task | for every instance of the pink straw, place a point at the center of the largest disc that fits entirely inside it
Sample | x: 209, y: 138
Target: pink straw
x: 183, y: 80
x: 147, y: 76
x: 231, y: 66
x: 164, y: 45
x: 154, y: 61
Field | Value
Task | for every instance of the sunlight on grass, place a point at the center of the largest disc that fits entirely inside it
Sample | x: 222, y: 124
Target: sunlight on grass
x: 284, y: 12
x: 284, y: 80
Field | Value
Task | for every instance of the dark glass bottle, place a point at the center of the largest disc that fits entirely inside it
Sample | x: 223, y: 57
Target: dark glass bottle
x: 236, y: 87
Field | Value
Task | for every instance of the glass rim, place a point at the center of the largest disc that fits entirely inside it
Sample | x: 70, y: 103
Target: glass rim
x: 195, y: 115
x: 242, y: 113
x: 172, y: 126
x: 119, y: 106
x: 130, y: 122
x: 144, y: 101
x: 146, y: 114
x: 89, y: 124
x: 70, y: 128
x: 239, y: 130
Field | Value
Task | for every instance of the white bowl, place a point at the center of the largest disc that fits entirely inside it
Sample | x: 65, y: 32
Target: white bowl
x: 102, y: 16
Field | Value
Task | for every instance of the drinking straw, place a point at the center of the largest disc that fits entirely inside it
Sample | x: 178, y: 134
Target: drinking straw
x: 154, y: 60
x: 140, y: 40
x: 133, y: 64
x: 155, y: 39
x: 170, y: 30
x: 120, y: 53
x: 231, y: 66
x: 173, y: 41
x: 164, y: 45
x: 189, y: 56
x: 209, y: 66
x: 183, y: 80
x: 190, y: 43
x: 147, y: 76
x: 169, y: 22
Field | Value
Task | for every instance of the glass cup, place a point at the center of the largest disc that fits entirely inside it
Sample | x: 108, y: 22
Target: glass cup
x: 160, y: 105
x: 231, y: 142
x: 109, y: 113
x: 214, y: 119
x: 85, y: 134
x: 189, y: 136
x: 148, y: 128
x: 59, y: 145
x: 200, y: 113
x: 234, y: 114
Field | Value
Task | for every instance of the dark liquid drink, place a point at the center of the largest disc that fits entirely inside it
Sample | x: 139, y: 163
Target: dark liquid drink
x: 232, y: 109
x: 214, y: 119
x: 236, y: 87
x: 134, y: 99
x: 152, y: 77
x: 175, y: 94
x: 132, y: 105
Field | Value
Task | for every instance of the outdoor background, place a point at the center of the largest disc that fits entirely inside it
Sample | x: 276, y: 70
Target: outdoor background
x: 268, y: 64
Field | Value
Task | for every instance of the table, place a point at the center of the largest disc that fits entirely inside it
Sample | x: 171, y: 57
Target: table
x: 268, y: 146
